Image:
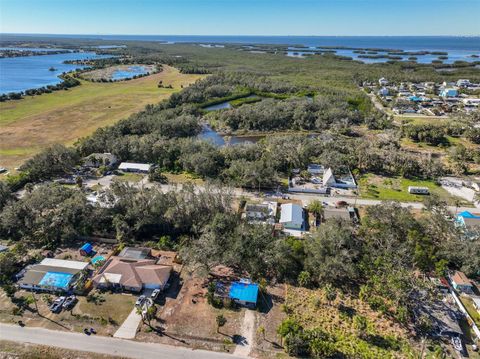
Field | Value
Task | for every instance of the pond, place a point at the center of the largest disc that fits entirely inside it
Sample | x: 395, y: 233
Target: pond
x: 29, y: 72
x: 215, y: 138
x: 129, y: 72
x: 218, y: 106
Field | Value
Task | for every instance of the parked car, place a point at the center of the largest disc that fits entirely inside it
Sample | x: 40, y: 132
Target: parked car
x: 316, y: 180
x: 69, y: 302
x: 155, y: 294
x: 140, y: 301
x: 56, y: 306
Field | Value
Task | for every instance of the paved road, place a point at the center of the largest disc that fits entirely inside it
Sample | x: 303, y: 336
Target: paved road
x: 103, y: 345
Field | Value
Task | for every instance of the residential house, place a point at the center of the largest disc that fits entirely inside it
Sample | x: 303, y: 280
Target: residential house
x: 449, y: 92
x: 134, y: 167
x: 383, y: 81
x: 292, y: 216
x: 54, y: 275
x: 343, y: 213
x: 383, y: 91
x: 461, y: 283
x: 96, y: 160
x: 463, y: 83
x: 242, y: 292
x: 261, y: 213
x: 132, y: 274
x: 418, y: 190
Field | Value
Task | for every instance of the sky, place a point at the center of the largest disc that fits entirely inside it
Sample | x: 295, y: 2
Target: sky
x: 241, y: 17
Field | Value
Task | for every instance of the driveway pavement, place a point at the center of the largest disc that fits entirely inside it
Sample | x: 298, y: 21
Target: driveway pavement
x: 128, y: 329
x: 103, y: 345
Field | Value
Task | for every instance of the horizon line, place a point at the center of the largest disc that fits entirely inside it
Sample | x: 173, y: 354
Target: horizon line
x: 229, y: 35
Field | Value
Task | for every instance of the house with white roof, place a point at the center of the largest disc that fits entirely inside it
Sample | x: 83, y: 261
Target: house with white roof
x: 135, y: 167
x: 292, y: 216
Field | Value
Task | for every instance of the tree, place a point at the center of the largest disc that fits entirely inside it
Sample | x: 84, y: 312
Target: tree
x: 315, y: 207
x: 332, y: 253
x: 221, y: 321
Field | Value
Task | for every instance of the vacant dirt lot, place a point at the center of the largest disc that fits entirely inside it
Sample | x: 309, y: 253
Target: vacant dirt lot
x: 185, y: 318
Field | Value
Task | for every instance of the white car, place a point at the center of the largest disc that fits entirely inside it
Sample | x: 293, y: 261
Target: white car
x: 155, y: 294
x: 140, y: 301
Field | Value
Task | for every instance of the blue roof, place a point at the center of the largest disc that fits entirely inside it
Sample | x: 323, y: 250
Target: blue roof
x: 87, y: 247
x: 246, y: 292
x: 467, y: 214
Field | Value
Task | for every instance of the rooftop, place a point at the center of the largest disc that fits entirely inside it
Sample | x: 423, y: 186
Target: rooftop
x: 461, y: 278
x: 244, y: 291
x: 291, y: 212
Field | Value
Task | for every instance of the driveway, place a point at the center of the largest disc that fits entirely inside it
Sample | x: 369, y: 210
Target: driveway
x: 103, y: 345
x: 128, y: 329
x: 244, y: 347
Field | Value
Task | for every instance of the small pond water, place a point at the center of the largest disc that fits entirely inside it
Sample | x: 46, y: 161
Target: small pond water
x: 130, y: 72
x: 218, y: 106
x: 212, y: 136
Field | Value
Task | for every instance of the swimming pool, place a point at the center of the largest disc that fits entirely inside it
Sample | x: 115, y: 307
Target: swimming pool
x: 97, y: 259
x: 56, y: 279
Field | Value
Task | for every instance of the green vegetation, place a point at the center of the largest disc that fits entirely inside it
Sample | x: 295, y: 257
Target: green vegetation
x: 33, y: 123
x: 396, y: 189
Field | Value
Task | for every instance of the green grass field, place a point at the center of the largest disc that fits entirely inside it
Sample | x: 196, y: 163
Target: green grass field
x: 29, y: 125
x: 396, y: 189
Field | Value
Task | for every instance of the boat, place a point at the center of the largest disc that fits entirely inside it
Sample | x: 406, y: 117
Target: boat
x: 457, y: 343
x: 52, y: 69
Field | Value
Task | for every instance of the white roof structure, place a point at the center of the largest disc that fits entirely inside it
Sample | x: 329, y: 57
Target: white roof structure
x: 328, y: 178
x: 134, y: 166
x: 62, y: 263
x: 291, y: 213
x: 111, y: 278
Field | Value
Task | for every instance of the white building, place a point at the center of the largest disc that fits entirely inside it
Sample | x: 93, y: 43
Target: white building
x: 134, y: 167
x: 383, y: 81
x: 329, y: 179
x: 291, y: 216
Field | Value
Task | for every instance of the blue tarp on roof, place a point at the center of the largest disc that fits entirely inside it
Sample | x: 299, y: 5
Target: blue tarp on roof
x: 246, y: 292
x: 87, y: 248
x: 467, y: 214
x: 56, y: 279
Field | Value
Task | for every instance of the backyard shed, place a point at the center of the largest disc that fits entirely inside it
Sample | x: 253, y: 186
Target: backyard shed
x: 86, y: 249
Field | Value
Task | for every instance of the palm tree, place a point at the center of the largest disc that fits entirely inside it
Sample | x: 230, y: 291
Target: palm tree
x: 316, y: 207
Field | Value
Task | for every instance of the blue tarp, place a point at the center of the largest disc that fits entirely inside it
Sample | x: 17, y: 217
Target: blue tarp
x: 246, y: 292
x: 87, y: 248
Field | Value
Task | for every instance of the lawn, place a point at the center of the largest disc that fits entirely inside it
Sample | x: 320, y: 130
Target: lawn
x: 129, y: 177
x: 396, y: 189
x: 33, y: 123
